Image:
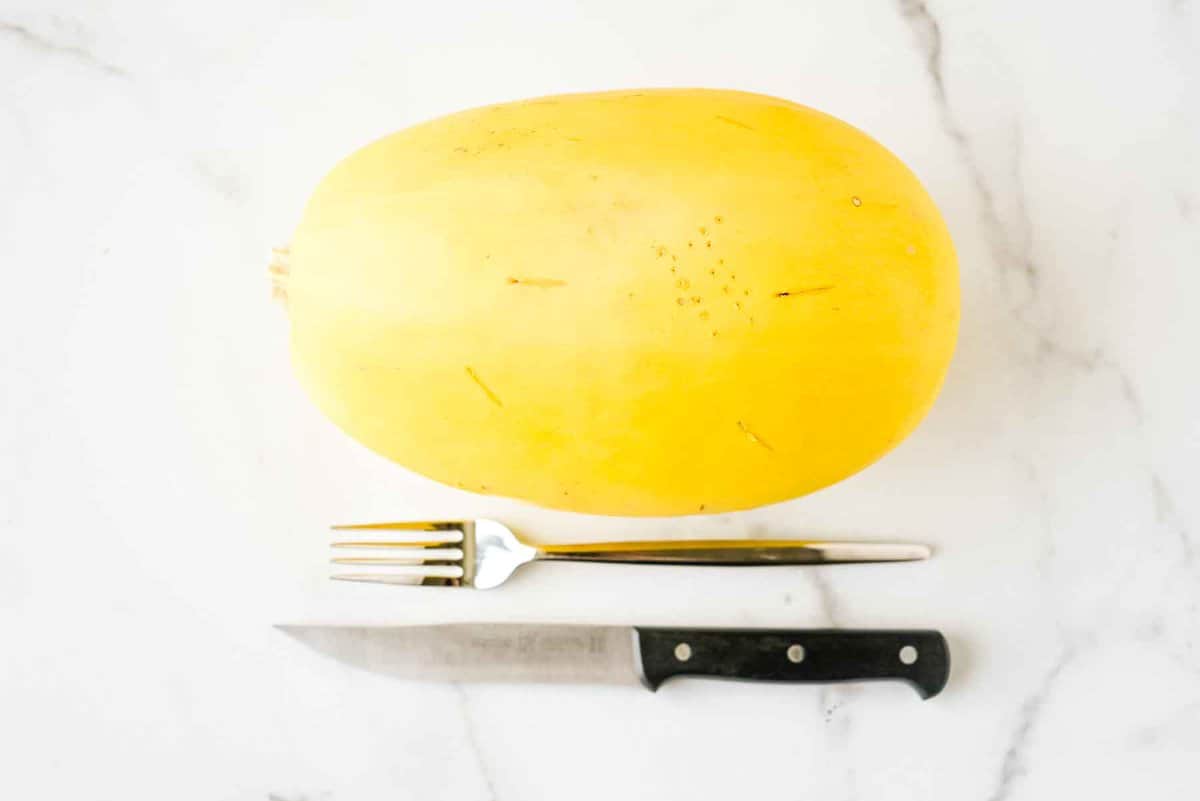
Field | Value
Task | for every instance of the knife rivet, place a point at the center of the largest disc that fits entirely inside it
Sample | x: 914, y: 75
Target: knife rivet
x: 683, y: 652
x: 795, y: 653
x: 908, y: 655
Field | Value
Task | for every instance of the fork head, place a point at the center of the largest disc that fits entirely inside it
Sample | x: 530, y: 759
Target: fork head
x: 449, y: 553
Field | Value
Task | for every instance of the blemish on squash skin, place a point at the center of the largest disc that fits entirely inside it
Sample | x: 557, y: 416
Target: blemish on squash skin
x: 856, y: 200
x: 755, y: 438
x: 543, y: 283
x: 813, y: 290
x: 279, y: 270
x: 732, y: 121
x: 486, y: 390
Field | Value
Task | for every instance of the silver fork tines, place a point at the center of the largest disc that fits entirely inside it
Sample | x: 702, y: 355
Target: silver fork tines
x: 419, y: 552
x: 484, y: 553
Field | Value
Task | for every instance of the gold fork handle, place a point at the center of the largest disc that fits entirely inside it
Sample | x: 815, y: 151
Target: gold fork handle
x: 736, y: 552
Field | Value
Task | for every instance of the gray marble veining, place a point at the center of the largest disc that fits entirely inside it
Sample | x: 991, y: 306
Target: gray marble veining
x: 164, y: 486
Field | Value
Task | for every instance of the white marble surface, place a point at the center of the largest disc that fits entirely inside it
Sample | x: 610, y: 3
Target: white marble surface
x: 164, y: 484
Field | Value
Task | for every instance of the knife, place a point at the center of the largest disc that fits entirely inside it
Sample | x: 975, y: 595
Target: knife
x: 503, y: 652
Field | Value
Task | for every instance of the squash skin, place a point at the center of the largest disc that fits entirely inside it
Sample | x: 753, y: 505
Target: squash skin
x: 653, y: 302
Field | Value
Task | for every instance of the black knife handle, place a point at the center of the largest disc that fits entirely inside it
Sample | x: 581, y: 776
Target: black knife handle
x: 920, y: 658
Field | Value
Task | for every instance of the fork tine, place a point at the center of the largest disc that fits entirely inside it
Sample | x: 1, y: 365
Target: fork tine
x: 404, y: 574
x: 404, y: 557
x: 450, y: 538
x: 405, y: 525
x: 437, y: 533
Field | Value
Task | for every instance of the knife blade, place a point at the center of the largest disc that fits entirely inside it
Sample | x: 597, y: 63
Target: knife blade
x: 504, y: 652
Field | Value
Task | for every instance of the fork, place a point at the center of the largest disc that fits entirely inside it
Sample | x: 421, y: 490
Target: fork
x: 483, y: 553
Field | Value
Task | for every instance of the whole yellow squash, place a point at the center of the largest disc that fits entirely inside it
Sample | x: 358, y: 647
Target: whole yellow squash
x: 638, y: 302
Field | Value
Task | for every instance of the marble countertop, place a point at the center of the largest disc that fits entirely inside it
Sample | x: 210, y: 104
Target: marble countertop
x: 164, y: 484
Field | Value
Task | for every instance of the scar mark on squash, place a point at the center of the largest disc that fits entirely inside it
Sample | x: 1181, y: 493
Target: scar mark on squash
x: 755, y: 438
x: 812, y: 290
x: 732, y: 121
x: 486, y: 390
x: 544, y: 283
